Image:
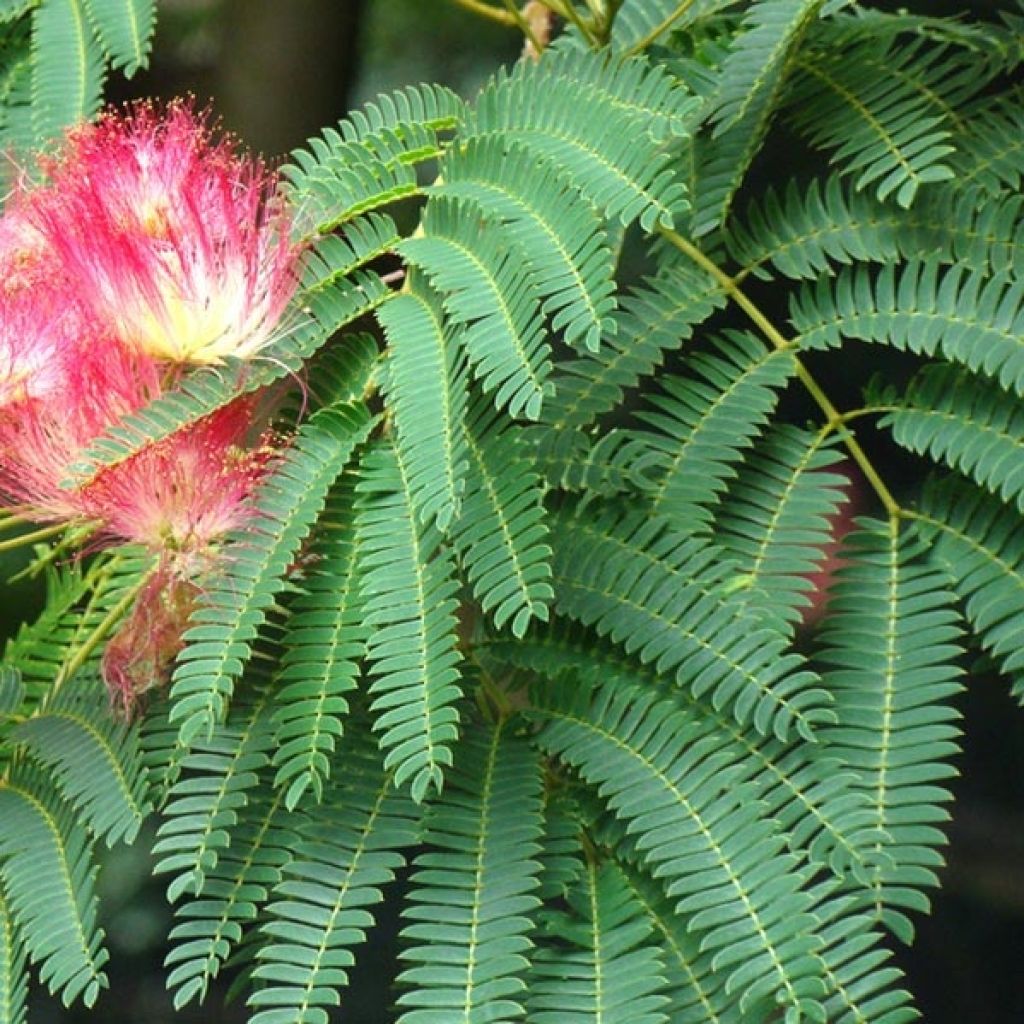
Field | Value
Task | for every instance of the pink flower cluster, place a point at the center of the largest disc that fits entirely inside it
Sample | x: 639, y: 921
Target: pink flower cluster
x: 150, y: 247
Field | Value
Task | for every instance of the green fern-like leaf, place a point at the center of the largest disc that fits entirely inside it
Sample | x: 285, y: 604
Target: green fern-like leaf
x: 802, y: 786
x: 203, y: 805
x: 809, y: 230
x: 237, y: 600
x: 990, y: 150
x: 94, y: 759
x: 862, y: 987
x: 639, y: 18
x: 604, y: 145
x: 488, y: 290
x: 890, y: 640
x: 694, y: 990
x: 324, y: 640
x: 967, y: 423
x: 704, y: 421
x: 561, y: 851
x: 334, y: 257
x: 407, y: 586
x: 344, y: 372
x: 47, y: 872
x: 81, y: 606
x: 125, y: 28
x: 426, y: 391
x: 501, y: 534
x: 234, y: 891
x: 562, y: 234
x: 16, y: 92
x: 976, y: 539
x: 609, y: 464
x: 656, y: 318
x: 605, y: 967
x: 13, y: 975
x: 320, y: 909
x: 12, y: 691
x: 473, y: 893
x: 705, y: 835
x: 886, y: 128
x: 775, y: 520
x: 971, y: 318
x: 654, y: 98
x: 756, y: 63
x: 662, y: 596
x: 67, y: 69
x: 369, y: 160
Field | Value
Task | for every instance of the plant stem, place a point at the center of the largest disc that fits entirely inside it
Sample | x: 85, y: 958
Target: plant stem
x: 814, y: 389
x: 30, y: 538
x: 485, y: 10
x: 642, y: 45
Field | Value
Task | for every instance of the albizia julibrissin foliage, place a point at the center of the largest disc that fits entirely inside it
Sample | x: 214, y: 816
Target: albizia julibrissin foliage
x: 149, y: 246
x: 459, y: 573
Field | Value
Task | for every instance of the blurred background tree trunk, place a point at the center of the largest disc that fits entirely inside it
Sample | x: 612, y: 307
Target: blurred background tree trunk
x: 286, y: 68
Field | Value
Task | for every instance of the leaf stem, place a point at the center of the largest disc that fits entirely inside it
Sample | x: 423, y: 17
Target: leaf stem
x: 31, y: 538
x: 664, y: 26
x: 485, y: 10
x: 834, y: 416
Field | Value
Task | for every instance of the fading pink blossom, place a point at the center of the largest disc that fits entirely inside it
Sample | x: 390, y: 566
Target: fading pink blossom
x: 139, y: 656
x: 185, y: 492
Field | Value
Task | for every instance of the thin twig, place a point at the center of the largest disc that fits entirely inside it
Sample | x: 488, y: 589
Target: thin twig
x: 814, y: 389
x: 487, y: 11
x: 31, y: 538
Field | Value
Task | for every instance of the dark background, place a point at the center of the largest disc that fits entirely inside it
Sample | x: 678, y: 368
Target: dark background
x: 277, y: 71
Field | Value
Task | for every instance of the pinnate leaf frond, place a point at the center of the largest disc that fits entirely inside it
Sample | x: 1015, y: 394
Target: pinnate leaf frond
x: 407, y: 587
x: 236, y: 601
x: 895, y: 725
x: 663, y: 597
x: 501, y: 532
x: 473, y: 893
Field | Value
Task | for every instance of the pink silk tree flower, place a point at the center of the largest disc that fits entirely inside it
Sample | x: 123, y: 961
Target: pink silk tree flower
x: 177, y: 242
x: 38, y: 317
x: 32, y: 350
x: 61, y: 407
x: 179, y: 496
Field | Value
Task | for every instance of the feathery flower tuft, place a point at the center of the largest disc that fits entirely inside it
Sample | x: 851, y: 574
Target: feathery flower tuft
x: 182, y: 494
x: 176, y: 241
x: 68, y: 384
x: 151, y: 246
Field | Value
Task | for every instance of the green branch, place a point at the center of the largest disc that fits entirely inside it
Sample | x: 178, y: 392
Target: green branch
x: 834, y: 417
x: 31, y: 538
